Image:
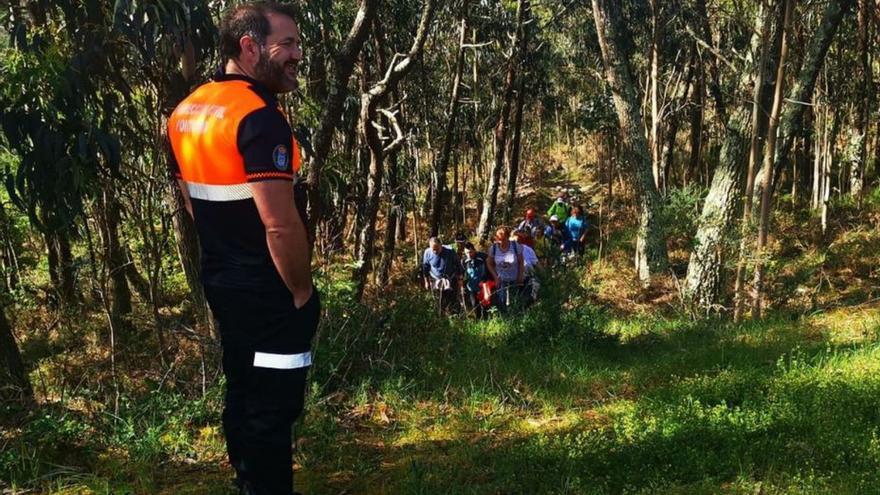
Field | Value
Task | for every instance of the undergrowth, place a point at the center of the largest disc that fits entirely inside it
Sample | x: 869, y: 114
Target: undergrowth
x: 564, y: 397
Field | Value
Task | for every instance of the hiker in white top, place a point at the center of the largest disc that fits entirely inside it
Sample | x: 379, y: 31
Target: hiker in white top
x: 507, y: 267
x: 530, y: 263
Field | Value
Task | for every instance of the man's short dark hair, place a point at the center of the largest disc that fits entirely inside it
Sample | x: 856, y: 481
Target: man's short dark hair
x: 470, y: 246
x: 249, y: 19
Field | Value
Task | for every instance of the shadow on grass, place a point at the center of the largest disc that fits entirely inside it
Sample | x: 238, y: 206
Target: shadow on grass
x: 561, y: 399
x: 646, y: 407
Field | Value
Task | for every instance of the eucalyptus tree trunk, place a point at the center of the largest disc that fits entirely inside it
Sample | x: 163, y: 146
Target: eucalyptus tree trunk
x: 655, y: 95
x: 706, y: 267
x: 828, y: 152
x: 14, y: 382
x: 490, y: 199
x: 334, y: 104
x: 61, y: 269
x: 190, y: 255
x: 369, y: 110
x: 651, y: 255
x: 714, y: 84
x: 516, y: 144
x: 857, y: 171
x: 762, y: 92
x: 669, y: 143
x: 515, y: 150
x: 767, y: 179
x: 115, y: 259
x: 452, y: 110
x: 791, y: 122
x: 696, y: 132
x: 392, y: 216
x: 820, y: 129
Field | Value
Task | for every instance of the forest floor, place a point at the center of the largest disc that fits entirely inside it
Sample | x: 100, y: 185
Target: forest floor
x: 601, y: 387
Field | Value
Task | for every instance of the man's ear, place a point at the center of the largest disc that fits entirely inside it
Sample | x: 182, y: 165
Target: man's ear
x: 250, y: 49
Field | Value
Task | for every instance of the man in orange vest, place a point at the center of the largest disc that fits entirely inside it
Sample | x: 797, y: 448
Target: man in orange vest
x: 235, y: 160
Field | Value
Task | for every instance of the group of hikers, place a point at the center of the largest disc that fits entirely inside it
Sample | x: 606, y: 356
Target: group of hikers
x: 508, y: 274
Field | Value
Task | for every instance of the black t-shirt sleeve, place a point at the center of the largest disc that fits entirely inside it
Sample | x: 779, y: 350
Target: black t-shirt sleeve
x: 265, y: 143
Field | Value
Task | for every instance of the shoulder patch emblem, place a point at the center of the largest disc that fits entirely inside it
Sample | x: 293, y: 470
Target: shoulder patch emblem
x: 280, y: 157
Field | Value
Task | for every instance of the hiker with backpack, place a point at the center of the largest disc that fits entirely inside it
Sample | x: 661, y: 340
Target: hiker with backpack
x: 506, y: 264
x: 475, y: 274
x: 530, y: 264
x: 441, y: 271
x: 531, y: 224
x: 560, y: 208
x: 556, y: 235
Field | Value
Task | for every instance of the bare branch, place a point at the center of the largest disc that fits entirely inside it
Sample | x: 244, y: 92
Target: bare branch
x: 477, y: 45
x: 399, y: 138
x: 711, y: 49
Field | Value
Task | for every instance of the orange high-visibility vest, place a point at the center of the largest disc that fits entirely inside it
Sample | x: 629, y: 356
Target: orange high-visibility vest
x: 226, y: 134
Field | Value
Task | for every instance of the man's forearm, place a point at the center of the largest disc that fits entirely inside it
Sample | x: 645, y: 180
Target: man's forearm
x: 289, y: 249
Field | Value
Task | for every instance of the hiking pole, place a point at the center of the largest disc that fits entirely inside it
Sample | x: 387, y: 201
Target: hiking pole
x: 439, y: 300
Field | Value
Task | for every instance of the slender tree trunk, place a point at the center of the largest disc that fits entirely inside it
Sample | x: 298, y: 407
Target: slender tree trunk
x: 10, y: 248
x: 759, y: 124
x: 696, y: 123
x: 369, y: 109
x: 334, y: 105
x: 490, y: 200
x: 452, y: 110
x: 706, y: 266
x: 515, y: 150
x: 457, y: 193
x: 61, y: 271
x: 516, y: 145
x: 827, y: 165
x: 392, y: 215
x: 820, y: 130
x: 655, y: 96
x: 714, y: 74
x: 114, y: 257
x: 790, y: 123
x: 651, y: 255
x: 857, y: 173
x: 137, y: 281
x: 14, y: 382
x: 667, y: 164
x: 189, y: 254
x: 763, y: 226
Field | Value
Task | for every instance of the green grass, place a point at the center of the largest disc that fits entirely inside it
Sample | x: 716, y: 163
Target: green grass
x: 565, y: 399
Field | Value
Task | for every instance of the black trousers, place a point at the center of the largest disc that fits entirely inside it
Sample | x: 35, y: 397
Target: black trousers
x: 266, y: 356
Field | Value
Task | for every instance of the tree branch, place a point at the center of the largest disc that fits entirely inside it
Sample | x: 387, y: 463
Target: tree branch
x: 711, y: 49
x: 399, y: 138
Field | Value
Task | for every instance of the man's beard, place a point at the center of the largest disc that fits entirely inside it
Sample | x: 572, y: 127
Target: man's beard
x: 273, y: 75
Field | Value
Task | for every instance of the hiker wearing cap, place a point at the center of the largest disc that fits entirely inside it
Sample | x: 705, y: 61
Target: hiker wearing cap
x: 561, y: 208
x: 460, y: 241
x: 556, y: 236
x: 554, y: 232
x: 531, y: 223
